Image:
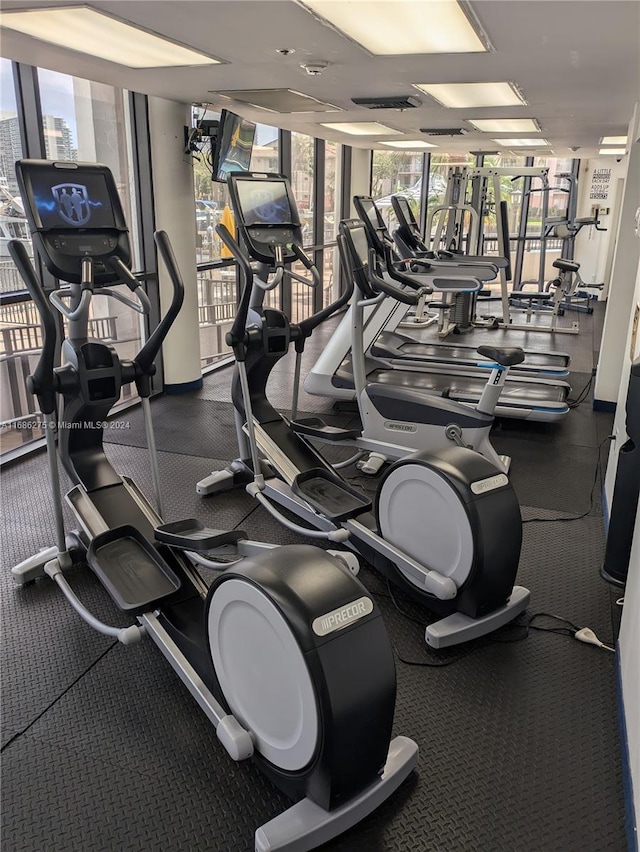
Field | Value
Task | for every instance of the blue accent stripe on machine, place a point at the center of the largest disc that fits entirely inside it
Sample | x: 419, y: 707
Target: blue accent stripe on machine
x: 627, y: 779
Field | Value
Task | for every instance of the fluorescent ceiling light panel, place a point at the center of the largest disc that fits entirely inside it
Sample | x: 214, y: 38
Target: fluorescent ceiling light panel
x: 504, y: 125
x: 617, y: 152
x: 91, y: 32
x: 361, y: 128
x: 278, y: 100
x: 410, y: 144
x: 523, y: 143
x: 613, y: 140
x: 471, y: 95
x: 397, y: 27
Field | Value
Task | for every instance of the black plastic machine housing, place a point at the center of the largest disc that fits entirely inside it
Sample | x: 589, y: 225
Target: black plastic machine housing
x: 626, y: 490
x: 266, y: 214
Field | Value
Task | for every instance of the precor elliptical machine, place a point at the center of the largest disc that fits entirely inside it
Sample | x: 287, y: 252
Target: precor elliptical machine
x: 285, y: 668
x: 445, y: 527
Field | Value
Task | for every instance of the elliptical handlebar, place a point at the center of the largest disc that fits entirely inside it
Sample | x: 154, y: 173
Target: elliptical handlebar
x: 70, y: 313
x: 147, y: 355
x: 42, y: 377
x: 307, y: 263
x: 237, y: 332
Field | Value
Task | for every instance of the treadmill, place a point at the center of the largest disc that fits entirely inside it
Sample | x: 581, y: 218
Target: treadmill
x: 410, y: 244
x: 525, y: 397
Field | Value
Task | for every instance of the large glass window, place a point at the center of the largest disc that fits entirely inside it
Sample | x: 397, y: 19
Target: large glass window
x: 331, y: 268
x: 396, y: 172
x: 302, y: 182
x: 20, y: 336
x: 86, y: 121
x: 13, y: 224
x: 217, y: 294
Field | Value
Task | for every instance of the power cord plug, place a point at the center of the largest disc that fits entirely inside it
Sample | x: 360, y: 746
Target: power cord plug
x: 586, y: 634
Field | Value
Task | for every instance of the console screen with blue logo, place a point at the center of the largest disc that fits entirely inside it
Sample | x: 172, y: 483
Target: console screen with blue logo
x: 264, y: 202
x: 68, y: 199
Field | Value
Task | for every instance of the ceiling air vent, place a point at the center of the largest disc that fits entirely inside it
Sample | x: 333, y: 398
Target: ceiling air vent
x: 401, y: 102
x: 444, y: 131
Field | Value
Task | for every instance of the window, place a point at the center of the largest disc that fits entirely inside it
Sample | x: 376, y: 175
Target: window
x: 217, y: 288
x: 21, y: 338
x: 13, y: 224
x: 302, y: 183
x: 88, y: 121
x: 330, y: 257
x: 394, y: 172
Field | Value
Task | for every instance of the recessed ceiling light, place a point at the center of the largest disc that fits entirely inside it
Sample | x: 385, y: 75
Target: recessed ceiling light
x: 277, y: 100
x: 395, y: 27
x: 470, y: 95
x: 505, y: 125
x: 523, y: 143
x: 94, y: 33
x: 361, y: 128
x: 410, y: 144
x: 613, y: 140
x: 616, y: 152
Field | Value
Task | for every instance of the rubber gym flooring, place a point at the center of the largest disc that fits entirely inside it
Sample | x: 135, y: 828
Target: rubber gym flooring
x: 103, y: 748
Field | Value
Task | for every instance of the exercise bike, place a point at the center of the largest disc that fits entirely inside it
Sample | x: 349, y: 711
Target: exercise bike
x: 445, y: 527
x: 285, y: 652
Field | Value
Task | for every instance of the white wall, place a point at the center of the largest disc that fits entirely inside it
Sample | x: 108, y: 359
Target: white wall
x: 175, y: 213
x: 629, y: 643
x: 592, y: 247
x: 620, y: 303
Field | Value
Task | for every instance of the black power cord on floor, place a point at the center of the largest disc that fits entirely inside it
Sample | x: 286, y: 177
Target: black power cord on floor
x: 591, y: 495
x: 584, y: 393
x: 519, y: 629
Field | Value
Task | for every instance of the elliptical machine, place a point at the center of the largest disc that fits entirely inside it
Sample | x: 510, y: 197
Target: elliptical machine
x: 445, y: 527
x: 284, y: 668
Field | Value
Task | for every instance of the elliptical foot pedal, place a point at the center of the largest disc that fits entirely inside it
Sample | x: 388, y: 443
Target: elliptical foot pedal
x: 191, y: 534
x: 131, y: 569
x: 315, y: 427
x: 330, y: 495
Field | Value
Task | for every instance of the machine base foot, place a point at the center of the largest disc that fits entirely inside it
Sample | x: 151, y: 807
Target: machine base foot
x: 457, y: 628
x: 306, y: 826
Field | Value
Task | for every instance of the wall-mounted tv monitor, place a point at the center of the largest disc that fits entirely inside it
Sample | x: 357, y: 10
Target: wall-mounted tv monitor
x: 264, y: 202
x: 233, y: 145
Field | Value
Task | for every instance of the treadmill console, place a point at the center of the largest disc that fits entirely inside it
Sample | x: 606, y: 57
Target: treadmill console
x: 74, y: 211
x: 373, y: 222
x: 266, y: 214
